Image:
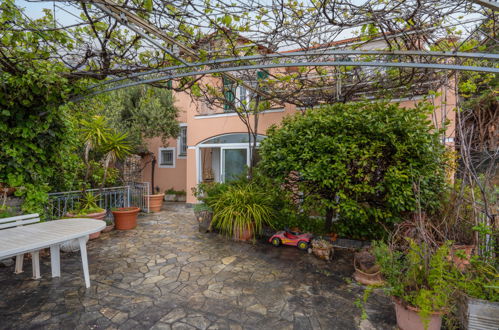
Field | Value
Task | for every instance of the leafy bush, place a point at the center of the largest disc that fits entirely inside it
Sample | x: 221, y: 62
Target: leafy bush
x: 241, y: 207
x: 210, y: 192
x: 359, y: 160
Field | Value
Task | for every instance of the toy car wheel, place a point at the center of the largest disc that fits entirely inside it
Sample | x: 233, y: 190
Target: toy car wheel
x: 276, y: 241
x: 302, y: 245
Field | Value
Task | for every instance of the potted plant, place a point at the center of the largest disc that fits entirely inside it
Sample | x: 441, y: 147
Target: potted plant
x: 478, y: 301
x: 170, y: 195
x: 418, y: 281
x: 87, y: 208
x: 241, y: 211
x: 478, y: 284
x: 125, y: 218
x: 155, y: 201
x: 322, y: 249
x: 367, y: 271
x: 181, y: 196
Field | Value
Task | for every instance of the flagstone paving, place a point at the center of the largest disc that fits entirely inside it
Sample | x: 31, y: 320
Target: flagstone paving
x: 166, y: 275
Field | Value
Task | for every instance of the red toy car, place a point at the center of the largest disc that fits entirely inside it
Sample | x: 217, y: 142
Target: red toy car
x: 288, y: 237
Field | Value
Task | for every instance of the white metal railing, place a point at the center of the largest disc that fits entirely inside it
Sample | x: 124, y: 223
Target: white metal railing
x: 133, y: 194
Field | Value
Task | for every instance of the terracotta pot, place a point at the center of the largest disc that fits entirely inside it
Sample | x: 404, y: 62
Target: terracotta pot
x: 108, y: 229
x: 461, y: 263
x: 324, y: 254
x: 125, y: 218
x: 155, y: 202
x: 409, y: 319
x: 243, y: 235
x: 367, y: 278
x: 97, y: 215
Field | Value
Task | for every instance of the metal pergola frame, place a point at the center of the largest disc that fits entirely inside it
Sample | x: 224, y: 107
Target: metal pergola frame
x: 225, y: 66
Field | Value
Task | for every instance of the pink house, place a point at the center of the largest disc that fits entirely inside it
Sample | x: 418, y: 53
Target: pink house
x: 213, y: 144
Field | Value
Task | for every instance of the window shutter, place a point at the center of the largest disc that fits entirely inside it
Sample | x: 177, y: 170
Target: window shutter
x: 229, y: 92
x: 261, y: 75
x: 169, y: 84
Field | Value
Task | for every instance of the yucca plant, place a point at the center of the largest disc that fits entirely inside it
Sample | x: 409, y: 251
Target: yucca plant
x: 242, y: 210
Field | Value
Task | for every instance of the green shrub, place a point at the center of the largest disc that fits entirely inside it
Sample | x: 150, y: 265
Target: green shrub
x: 359, y: 160
x: 241, y: 207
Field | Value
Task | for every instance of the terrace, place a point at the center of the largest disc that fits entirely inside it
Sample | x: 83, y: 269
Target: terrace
x: 166, y: 275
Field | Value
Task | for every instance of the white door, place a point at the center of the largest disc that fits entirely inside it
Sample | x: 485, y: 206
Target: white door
x: 234, y: 163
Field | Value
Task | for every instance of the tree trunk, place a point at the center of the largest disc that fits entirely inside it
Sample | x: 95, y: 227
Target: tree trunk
x: 153, y: 167
x: 330, y: 213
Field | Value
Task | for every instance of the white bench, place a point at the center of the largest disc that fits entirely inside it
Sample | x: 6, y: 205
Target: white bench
x: 22, y: 220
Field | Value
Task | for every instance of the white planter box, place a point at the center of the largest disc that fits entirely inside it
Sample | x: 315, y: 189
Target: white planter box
x: 477, y: 314
x: 170, y: 198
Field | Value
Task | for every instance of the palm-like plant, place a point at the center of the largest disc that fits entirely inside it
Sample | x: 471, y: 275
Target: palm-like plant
x: 115, y: 147
x: 99, y: 137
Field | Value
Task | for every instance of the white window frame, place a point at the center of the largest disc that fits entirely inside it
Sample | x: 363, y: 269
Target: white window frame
x: 239, y: 100
x: 179, y: 142
x: 172, y: 149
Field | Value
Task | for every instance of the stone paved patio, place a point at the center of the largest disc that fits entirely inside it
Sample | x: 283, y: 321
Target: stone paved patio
x: 166, y: 275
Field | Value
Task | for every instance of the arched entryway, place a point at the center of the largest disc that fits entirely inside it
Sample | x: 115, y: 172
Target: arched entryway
x: 224, y: 157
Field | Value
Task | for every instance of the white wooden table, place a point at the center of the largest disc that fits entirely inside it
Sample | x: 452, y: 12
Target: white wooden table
x: 18, y: 240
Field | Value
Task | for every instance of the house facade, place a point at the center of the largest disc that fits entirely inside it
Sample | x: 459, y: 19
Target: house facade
x: 213, y: 144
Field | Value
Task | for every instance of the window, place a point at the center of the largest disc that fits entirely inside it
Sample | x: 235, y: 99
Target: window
x: 243, y: 96
x: 167, y: 157
x: 229, y: 94
x: 182, y: 141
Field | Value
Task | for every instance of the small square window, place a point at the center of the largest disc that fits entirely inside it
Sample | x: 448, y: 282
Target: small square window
x: 167, y: 157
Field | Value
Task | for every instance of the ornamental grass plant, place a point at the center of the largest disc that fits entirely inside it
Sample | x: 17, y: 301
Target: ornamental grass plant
x: 242, y: 208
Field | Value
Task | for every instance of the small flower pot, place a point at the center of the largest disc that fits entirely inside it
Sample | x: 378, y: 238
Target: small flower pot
x: 155, y: 202
x: 97, y: 216
x: 125, y: 218
x: 409, y: 319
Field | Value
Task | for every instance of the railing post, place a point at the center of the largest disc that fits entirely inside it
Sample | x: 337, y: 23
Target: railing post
x: 128, y: 195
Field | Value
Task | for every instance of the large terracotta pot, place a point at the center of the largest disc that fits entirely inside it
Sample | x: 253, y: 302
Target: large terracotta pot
x: 363, y: 275
x: 155, y: 202
x: 97, y: 215
x: 125, y: 218
x: 243, y: 235
x: 409, y: 319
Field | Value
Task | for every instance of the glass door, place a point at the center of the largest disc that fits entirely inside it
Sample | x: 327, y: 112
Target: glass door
x: 234, y: 162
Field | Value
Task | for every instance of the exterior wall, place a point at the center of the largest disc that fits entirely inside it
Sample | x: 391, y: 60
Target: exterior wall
x: 166, y: 178
x: 201, y: 126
